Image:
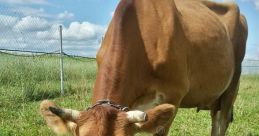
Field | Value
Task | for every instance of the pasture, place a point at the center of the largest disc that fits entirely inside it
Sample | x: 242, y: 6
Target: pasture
x: 25, y: 81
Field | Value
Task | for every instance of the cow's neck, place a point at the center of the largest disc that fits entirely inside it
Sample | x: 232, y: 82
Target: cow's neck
x: 125, y: 70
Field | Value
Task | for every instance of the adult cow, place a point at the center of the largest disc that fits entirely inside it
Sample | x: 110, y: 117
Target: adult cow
x: 158, y: 56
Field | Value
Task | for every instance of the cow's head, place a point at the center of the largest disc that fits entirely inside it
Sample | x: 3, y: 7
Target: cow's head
x: 105, y: 120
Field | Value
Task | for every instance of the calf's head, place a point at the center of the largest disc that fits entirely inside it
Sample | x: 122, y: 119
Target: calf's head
x: 104, y: 120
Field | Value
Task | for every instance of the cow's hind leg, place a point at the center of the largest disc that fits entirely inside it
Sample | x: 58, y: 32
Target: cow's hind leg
x: 215, y: 116
x: 222, y: 110
x: 226, y: 111
x: 226, y: 103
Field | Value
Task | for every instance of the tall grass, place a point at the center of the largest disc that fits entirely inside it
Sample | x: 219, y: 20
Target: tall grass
x: 38, y: 77
x: 26, y: 81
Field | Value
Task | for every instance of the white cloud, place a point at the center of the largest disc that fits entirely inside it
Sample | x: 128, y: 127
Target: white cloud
x: 42, y: 34
x: 49, y: 34
x: 38, y: 2
x: 82, y: 31
x: 29, y: 23
x: 65, y: 15
x: 76, y: 31
x: 78, y: 38
x: 28, y: 11
x: 4, y: 41
x: 7, y: 20
x: 40, y: 12
x: 257, y: 4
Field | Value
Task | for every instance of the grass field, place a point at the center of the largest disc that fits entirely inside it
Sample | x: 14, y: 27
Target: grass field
x: 26, y: 81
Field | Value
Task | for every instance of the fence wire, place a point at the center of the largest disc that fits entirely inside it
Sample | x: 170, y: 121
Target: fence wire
x: 24, y: 33
x: 30, y: 58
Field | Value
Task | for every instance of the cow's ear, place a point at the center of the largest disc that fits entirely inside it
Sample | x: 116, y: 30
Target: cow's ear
x: 60, y: 121
x: 158, y: 118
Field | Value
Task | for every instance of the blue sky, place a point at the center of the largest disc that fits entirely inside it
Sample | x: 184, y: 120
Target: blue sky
x: 84, y: 23
x: 251, y: 11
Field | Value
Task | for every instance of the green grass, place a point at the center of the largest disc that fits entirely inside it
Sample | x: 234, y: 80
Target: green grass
x: 246, y: 114
x: 26, y: 81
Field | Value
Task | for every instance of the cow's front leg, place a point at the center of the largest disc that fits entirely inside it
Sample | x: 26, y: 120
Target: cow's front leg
x: 163, y: 130
x: 159, y: 120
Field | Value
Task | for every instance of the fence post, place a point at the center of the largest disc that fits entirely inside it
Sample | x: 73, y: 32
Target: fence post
x: 61, y: 62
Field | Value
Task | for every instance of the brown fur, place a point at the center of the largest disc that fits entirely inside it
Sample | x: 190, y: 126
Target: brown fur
x: 187, y: 51
x: 104, y: 122
x: 54, y: 122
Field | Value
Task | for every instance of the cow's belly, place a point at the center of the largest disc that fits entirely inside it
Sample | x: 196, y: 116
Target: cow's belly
x: 209, y: 78
x: 210, y: 59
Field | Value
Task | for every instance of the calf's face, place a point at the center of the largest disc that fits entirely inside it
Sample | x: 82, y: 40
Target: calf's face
x: 104, y: 120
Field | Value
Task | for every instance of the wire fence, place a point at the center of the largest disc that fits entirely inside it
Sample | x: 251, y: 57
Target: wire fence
x: 250, y: 66
x: 24, y: 33
x: 30, y: 57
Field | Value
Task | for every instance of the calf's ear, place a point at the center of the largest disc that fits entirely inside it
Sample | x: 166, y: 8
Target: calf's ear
x: 60, y: 121
x: 158, y: 118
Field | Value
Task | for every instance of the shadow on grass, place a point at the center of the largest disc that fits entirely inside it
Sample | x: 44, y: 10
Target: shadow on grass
x: 34, y: 92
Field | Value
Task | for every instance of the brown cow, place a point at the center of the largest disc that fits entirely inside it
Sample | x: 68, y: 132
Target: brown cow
x: 158, y: 56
